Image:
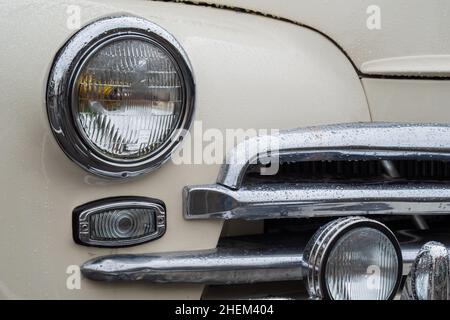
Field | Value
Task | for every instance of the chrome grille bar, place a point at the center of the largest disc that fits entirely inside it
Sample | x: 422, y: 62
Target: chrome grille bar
x: 313, y: 200
x: 231, y: 198
x: 359, y: 141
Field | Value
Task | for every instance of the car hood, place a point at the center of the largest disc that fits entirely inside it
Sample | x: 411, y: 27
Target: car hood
x: 410, y: 32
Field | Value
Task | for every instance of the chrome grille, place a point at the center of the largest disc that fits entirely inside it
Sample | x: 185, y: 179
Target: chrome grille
x: 352, y: 171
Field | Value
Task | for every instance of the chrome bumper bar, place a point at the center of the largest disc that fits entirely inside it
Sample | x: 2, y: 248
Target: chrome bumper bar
x: 305, y: 201
x: 215, y: 266
x: 236, y: 260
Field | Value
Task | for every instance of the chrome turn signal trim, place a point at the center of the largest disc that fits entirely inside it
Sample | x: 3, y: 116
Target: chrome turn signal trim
x: 98, y: 223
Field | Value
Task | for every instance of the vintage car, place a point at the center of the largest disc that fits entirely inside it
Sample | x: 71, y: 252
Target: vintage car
x: 225, y: 149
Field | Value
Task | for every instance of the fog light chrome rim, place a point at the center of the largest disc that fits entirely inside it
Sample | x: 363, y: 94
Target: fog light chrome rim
x: 430, y: 273
x: 324, y: 241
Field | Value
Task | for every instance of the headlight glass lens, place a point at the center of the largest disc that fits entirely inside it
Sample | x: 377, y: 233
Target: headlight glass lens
x: 362, y: 265
x: 127, y: 99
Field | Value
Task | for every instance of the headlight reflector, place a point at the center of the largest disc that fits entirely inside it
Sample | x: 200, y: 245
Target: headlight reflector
x: 128, y: 98
x: 353, y: 258
x: 120, y: 96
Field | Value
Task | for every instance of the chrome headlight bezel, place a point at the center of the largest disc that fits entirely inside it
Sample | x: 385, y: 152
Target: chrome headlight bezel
x: 69, y: 62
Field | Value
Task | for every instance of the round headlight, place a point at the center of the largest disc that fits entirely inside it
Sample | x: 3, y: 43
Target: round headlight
x: 353, y: 258
x: 120, y: 96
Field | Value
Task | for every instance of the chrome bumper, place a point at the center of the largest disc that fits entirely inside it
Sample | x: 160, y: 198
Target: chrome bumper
x: 236, y: 260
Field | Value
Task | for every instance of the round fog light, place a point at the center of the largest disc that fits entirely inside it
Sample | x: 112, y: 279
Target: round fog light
x: 353, y: 258
x: 430, y: 273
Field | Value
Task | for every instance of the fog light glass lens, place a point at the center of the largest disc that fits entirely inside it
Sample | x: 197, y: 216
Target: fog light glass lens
x: 127, y: 99
x: 362, y: 265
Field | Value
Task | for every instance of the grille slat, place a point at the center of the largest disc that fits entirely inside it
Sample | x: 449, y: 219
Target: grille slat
x: 353, y: 171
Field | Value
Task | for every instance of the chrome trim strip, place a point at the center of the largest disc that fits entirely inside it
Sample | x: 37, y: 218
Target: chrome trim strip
x: 313, y: 200
x: 215, y: 266
x: 69, y: 60
x: 243, y: 262
x: 343, y: 141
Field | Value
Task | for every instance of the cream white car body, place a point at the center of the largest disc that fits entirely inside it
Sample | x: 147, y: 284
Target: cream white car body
x: 257, y: 64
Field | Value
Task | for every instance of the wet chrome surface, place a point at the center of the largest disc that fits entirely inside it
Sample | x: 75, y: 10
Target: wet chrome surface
x: 215, y: 266
x: 313, y: 200
x: 229, y: 198
x: 340, y: 142
x: 245, y: 259
x: 429, y: 277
